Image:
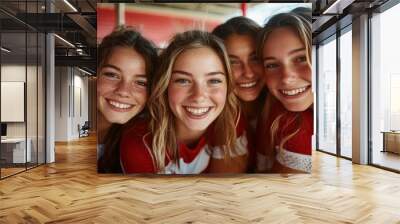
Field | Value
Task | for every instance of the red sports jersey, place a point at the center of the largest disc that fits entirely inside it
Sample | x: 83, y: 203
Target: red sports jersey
x: 296, y: 152
x: 137, y: 155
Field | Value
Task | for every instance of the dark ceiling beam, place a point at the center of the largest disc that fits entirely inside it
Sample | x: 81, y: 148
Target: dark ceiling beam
x: 72, y: 61
x: 337, y: 7
x: 331, y: 30
x: 319, y: 23
x: 15, y: 18
x: 334, y: 10
x: 91, y: 5
x: 54, y: 22
x: 87, y: 51
x: 49, y: 22
x: 84, y: 24
x: 327, y: 19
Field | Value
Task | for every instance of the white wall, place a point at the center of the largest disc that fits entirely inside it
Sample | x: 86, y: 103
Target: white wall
x: 61, y: 103
x: 13, y: 73
x: 71, y: 94
x: 33, y: 126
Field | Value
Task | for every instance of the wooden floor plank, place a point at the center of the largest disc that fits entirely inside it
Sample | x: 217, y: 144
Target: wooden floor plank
x: 71, y: 191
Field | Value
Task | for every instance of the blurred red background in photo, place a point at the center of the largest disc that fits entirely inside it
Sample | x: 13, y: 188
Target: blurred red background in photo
x: 155, y: 24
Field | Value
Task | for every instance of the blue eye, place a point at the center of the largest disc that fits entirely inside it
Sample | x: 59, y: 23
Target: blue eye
x: 215, y: 81
x: 182, y: 81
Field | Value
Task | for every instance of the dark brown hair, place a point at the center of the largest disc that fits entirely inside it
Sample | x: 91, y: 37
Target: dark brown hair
x: 127, y: 37
x: 237, y: 25
x: 241, y: 25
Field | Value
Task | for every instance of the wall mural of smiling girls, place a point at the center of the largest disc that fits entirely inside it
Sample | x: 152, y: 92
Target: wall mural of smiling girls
x: 214, y: 94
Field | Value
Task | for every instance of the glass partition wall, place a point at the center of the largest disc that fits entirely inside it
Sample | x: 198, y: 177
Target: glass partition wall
x: 22, y: 79
x: 345, y: 88
x: 334, y: 94
x: 326, y: 95
x: 13, y: 87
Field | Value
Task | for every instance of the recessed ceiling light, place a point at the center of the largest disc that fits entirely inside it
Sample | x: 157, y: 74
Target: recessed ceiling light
x: 70, y: 5
x: 337, y: 7
x: 5, y: 50
x: 64, y: 40
x: 84, y: 71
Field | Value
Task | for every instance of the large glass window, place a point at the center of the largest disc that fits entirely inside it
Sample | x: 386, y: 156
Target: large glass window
x: 326, y: 101
x: 346, y: 92
x: 385, y: 89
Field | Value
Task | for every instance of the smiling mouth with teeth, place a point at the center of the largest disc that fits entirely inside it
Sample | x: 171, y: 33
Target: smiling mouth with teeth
x: 294, y: 92
x: 197, y: 111
x: 121, y: 106
x: 247, y: 84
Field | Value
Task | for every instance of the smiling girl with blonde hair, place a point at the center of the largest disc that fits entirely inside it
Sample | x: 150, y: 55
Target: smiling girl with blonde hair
x: 194, y: 113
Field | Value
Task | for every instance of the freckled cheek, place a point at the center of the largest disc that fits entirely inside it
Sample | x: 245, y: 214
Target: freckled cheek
x: 305, y: 73
x: 272, y: 80
x: 237, y: 73
x: 218, y: 96
x: 101, y: 95
x: 176, y: 96
x: 105, y: 89
x: 140, y: 98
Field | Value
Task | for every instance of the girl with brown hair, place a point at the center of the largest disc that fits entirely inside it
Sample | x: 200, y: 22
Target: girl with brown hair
x: 125, y: 66
x: 239, y: 35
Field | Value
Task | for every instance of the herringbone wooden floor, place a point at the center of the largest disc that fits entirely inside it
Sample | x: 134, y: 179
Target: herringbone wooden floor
x: 70, y: 191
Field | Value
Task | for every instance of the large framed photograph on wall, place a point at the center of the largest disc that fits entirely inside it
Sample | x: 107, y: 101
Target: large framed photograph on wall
x: 204, y: 88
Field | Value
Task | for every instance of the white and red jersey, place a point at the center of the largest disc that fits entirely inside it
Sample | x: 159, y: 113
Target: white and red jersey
x: 296, y: 152
x: 137, y: 155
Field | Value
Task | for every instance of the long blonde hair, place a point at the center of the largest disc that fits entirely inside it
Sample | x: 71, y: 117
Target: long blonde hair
x: 298, y: 20
x: 162, y: 124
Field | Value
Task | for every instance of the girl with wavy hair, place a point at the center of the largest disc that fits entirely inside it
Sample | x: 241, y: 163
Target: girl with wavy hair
x: 284, y: 46
x: 194, y: 113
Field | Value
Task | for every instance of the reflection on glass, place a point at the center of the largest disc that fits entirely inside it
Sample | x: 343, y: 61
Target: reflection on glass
x: 13, y: 84
x: 31, y: 100
x: 22, y: 91
x: 41, y: 99
x: 327, y: 96
x: 346, y: 94
x: 385, y: 86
